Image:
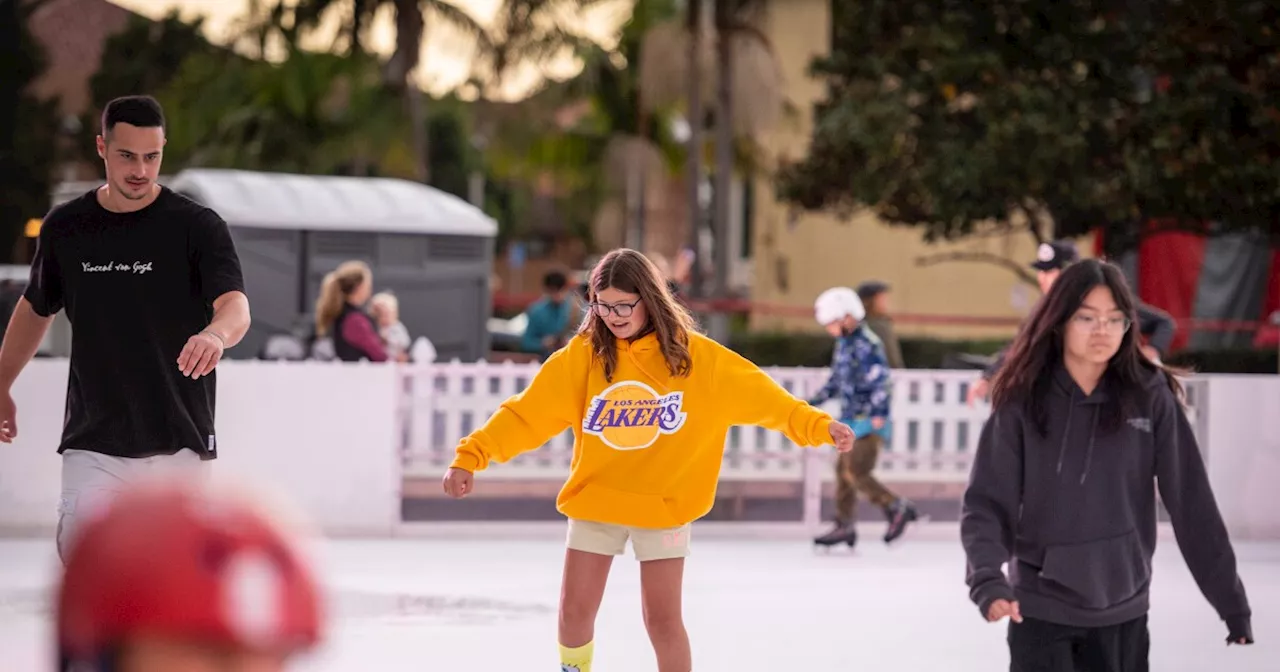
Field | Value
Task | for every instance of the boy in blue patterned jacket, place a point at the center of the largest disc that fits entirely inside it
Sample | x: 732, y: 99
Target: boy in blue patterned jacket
x: 860, y: 380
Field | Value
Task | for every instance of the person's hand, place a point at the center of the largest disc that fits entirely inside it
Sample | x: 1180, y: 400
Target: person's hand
x: 1001, y: 608
x: 457, y: 482
x: 1151, y: 353
x: 200, y: 355
x: 8, y: 418
x: 841, y: 436
x: 978, y: 390
x: 877, y: 423
x: 1239, y: 631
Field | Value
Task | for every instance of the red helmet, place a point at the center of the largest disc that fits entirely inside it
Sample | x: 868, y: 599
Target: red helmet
x: 174, y: 563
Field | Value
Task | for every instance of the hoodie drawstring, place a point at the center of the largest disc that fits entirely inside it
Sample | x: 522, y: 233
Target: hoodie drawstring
x: 1062, y: 450
x: 1088, y: 456
x: 636, y: 360
x: 1066, y: 434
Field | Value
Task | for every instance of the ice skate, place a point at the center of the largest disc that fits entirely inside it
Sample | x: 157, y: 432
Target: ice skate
x: 900, y: 514
x: 840, y: 534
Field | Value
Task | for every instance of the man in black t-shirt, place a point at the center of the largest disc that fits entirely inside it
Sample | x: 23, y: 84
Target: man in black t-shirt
x: 152, y: 287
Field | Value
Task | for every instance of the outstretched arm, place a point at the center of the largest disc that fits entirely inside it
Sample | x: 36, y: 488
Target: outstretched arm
x: 551, y: 404
x: 1197, y: 523
x: 759, y: 400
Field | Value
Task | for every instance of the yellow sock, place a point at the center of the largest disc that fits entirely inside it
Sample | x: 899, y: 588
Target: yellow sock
x: 576, y: 660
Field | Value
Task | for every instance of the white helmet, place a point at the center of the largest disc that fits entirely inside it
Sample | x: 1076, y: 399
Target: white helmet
x: 837, y: 302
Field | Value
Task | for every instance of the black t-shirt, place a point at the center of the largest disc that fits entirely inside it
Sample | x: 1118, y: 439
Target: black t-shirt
x: 135, y: 286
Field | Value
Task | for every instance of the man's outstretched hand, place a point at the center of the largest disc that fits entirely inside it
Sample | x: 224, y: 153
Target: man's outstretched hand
x: 8, y: 418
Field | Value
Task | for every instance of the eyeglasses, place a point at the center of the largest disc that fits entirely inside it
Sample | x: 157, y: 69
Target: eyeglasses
x: 1107, y: 325
x: 619, y: 309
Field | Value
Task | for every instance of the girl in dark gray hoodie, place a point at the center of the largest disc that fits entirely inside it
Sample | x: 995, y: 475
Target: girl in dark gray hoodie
x: 1084, y: 429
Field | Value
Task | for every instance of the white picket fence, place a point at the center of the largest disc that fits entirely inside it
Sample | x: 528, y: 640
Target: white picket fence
x: 934, y: 430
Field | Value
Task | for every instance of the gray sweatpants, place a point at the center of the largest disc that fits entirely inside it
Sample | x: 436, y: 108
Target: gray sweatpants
x: 90, y: 480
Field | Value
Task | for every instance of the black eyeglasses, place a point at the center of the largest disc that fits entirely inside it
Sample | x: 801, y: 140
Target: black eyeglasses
x: 619, y: 309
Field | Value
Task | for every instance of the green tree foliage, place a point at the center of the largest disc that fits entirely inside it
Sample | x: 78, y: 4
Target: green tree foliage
x: 313, y: 113
x: 588, y: 159
x: 142, y: 59
x: 946, y: 115
x: 28, y: 128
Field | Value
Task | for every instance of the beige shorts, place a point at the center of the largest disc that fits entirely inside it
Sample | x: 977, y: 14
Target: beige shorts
x: 606, y: 539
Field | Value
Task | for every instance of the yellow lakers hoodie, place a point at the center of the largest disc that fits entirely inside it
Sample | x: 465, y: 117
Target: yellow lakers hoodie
x: 647, y: 446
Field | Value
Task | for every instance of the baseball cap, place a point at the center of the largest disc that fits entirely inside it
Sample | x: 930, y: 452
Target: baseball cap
x: 1057, y: 254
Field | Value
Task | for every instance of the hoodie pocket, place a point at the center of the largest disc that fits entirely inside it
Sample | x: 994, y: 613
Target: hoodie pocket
x: 603, y: 504
x: 1096, y: 574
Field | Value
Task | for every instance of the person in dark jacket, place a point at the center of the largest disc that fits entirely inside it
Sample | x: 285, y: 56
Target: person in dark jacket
x: 1084, y: 431
x: 875, y: 297
x: 1155, y: 325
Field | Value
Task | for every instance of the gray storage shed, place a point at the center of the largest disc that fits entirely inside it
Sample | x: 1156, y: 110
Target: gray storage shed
x: 432, y: 249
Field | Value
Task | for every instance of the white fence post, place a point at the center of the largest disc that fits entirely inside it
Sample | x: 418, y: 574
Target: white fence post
x: 814, y: 466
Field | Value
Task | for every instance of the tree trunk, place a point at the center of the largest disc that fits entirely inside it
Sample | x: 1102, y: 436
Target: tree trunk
x: 416, y: 101
x: 718, y: 325
x: 693, y: 166
x: 401, y: 69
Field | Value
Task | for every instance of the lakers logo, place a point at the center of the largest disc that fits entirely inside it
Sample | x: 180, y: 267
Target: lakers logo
x: 630, y: 415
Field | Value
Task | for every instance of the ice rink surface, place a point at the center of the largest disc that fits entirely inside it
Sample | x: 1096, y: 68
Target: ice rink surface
x: 750, y: 605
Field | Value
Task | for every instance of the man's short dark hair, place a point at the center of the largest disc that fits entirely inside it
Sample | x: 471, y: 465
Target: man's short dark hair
x: 554, y: 281
x: 140, y: 111
x: 871, y: 289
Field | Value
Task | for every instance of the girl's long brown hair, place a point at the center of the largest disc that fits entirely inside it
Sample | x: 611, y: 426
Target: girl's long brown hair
x: 629, y: 271
x: 1026, y: 374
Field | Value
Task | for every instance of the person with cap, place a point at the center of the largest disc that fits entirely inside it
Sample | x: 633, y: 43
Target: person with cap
x: 875, y: 298
x: 1154, y: 325
x: 168, y: 578
x: 860, y: 379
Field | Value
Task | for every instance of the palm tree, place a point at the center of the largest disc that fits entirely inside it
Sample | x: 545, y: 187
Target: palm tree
x: 669, y: 77
x: 680, y: 61
x: 411, y: 18
x: 745, y: 64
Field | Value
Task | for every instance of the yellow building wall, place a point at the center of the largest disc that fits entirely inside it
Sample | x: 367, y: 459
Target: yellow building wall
x: 799, y: 254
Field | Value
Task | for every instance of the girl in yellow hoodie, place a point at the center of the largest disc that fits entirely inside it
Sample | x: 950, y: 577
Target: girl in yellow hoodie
x: 650, y: 401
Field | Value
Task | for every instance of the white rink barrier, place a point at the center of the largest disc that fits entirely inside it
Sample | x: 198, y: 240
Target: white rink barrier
x: 934, y: 429
x: 338, y: 439
x: 320, y: 435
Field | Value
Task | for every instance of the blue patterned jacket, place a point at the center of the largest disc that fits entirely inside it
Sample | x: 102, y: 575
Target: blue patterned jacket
x: 859, y: 377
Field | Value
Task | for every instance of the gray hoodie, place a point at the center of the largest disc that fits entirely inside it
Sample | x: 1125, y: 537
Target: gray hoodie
x: 1074, y: 512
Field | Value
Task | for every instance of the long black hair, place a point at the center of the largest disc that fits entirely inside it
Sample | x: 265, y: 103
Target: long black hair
x: 1027, y: 372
